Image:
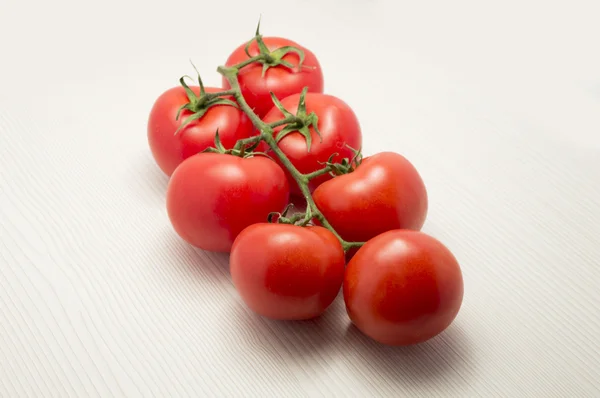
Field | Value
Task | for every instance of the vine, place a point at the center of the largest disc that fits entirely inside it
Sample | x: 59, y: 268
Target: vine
x: 299, y: 122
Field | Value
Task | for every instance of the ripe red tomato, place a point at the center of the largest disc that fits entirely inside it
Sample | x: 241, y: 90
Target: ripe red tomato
x: 212, y: 197
x: 383, y: 193
x: 339, y: 128
x: 169, y: 150
x: 280, y: 79
x: 287, y: 272
x: 403, y: 287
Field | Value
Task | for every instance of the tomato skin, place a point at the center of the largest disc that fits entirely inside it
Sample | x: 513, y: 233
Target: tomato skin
x: 339, y: 129
x: 280, y: 80
x: 403, y: 287
x: 212, y: 197
x: 287, y: 272
x: 383, y: 193
x: 169, y: 150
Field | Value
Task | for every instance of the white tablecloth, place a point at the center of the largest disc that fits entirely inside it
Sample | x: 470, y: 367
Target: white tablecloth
x: 497, y: 104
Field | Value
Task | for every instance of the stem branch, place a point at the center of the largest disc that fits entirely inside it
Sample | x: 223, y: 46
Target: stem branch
x: 266, y: 135
x: 249, y: 61
x: 287, y: 120
x: 220, y: 94
x: 318, y: 173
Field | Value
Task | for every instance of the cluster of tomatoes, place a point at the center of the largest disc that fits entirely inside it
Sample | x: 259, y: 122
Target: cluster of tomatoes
x: 238, y: 155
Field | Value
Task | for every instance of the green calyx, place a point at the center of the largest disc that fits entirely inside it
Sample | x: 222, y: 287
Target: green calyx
x: 198, y: 105
x: 300, y: 219
x: 345, y: 166
x: 270, y: 59
x: 299, y: 122
x: 243, y: 148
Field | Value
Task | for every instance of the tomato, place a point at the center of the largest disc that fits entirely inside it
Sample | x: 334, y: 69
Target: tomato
x: 212, y: 197
x: 169, y: 150
x: 281, y: 80
x: 287, y: 272
x: 383, y: 193
x: 339, y: 128
x: 403, y: 287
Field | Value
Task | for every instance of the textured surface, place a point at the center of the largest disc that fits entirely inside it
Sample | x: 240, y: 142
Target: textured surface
x: 498, y: 107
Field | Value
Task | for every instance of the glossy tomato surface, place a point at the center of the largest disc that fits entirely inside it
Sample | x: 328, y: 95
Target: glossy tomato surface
x: 385, y: 192
x: 287, y: 272
x: 339, y: 128
x: 169, y: 150
x: 403, y: 287
x: 212, y: 197
x: 280, y: 80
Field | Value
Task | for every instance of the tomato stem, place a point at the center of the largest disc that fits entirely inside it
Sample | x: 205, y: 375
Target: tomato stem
x: 266, y: 135
x: 318, y: 173
x: 287, y: 120
x: 220, y: 94
x: 250, y: 61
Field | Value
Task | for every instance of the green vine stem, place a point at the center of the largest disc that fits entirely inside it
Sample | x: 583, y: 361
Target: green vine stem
x: 266, y: 135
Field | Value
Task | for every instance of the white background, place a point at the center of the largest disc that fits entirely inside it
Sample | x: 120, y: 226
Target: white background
x: 496, y: 103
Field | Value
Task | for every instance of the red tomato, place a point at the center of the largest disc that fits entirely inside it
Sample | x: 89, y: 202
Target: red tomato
x: 403, y: 287
x: 169, y: 150
x: 212, y: 197
x: 287, y: 272
x: 339, y: 128
x: 280, y: 80
x: 384, y: 192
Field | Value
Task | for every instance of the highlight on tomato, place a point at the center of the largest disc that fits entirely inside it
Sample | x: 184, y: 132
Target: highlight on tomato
x: 183, y: 121
x: 287, y: 272
x: 290, y: 67
x: 403, y: 287
x: 212, y: 197
x: 384, y: 192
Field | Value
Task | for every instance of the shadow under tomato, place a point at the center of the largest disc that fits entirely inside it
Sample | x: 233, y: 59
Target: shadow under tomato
x: 190, y: 263
x: 446, y: 356
x: 299, y: 340
x: 147, y: 181
x: 212, y: 263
